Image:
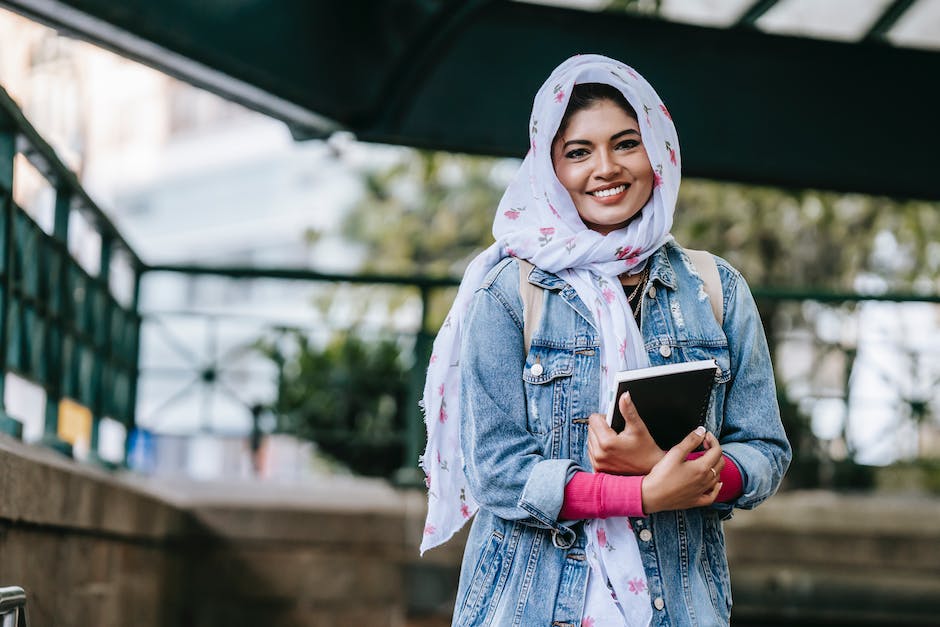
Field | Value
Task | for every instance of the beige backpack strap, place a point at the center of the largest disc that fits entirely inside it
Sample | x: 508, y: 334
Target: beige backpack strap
x: 706, y: 267
x: 531, y: 302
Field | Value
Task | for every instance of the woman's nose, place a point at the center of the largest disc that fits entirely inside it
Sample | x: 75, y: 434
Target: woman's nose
x: 607, y: 166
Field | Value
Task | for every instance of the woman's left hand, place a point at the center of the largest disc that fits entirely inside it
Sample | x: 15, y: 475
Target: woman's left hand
x: 630, y: 452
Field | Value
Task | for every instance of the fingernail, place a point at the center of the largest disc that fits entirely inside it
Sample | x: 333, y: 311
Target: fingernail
x: 700, y: 431
x: 626, y: 395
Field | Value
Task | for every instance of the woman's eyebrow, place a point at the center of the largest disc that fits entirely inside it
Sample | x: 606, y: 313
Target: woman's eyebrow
x: 579, y: 142
x: 615, y: 137
x: 629, y: 131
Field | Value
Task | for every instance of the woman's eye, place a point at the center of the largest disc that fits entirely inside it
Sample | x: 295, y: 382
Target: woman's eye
x: 577, y: 153
x: 628, y: 144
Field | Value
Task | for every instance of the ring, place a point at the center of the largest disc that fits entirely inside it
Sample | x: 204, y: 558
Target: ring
x: 715, y: 474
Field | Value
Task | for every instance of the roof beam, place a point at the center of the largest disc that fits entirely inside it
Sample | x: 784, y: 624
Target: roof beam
x: 753, y: 13
x: 888, y: 18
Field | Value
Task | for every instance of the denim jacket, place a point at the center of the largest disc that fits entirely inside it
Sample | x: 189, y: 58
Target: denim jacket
x: 523, y: 436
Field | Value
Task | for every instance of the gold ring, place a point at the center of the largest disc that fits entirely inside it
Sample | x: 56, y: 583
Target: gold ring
x: 715, y: 474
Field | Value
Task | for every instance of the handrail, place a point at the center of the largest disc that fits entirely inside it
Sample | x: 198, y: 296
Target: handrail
x: 43, y: 156
x: 13, y: 605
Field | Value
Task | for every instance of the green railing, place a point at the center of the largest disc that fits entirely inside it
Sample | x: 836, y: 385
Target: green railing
x: 61, y: 327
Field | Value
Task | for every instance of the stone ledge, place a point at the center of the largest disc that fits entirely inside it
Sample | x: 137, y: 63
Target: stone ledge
x: 52, y: 490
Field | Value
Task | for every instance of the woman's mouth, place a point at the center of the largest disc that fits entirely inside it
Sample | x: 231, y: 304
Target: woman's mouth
x: 609, y: 195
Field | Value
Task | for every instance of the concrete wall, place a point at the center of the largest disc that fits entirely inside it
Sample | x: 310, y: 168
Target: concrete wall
x: 92, y: 548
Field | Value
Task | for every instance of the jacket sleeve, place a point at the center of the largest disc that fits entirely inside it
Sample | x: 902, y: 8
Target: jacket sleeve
x: 752, y: 434
x: 506, y: 469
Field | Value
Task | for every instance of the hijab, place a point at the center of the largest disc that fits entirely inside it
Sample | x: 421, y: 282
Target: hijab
x: 538, y: 221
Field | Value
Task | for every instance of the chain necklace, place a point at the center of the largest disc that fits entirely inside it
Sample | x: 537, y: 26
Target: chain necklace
x: 636, y: 290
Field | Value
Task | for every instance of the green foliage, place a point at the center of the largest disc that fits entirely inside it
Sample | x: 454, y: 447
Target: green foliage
x: 429, y: 214
x: 809, y: 238
x: 347, y: 396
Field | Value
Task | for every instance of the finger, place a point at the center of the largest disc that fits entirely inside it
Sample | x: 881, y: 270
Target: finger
x: 630, y: 415
x: 688, y: 444
x: 711, y: 457
x: 598, y: 424
x: 711, y: 441
x: 712, y: 494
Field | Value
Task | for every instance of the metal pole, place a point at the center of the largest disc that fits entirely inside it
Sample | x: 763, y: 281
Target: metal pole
x: 8, y: 424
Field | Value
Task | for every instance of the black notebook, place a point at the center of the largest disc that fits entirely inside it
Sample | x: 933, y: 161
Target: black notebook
x: 672, y: 400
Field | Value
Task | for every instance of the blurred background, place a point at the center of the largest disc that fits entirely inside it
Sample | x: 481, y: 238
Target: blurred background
x: 229, y: 316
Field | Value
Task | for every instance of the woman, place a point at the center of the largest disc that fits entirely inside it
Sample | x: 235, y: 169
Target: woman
x: 513, y: 433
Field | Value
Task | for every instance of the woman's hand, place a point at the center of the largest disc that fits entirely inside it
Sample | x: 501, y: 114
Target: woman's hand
x: 678, y: 483
x: 630, y: 452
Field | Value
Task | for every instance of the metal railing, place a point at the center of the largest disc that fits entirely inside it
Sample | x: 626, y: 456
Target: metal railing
x: 13, y: 607
x: 61, y: 327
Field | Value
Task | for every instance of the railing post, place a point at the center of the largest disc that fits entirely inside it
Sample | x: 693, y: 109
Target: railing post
x: 131, y: 422
x: 8, y: 424
x: 409, y: 474
x: 55, y: 321
x: 102, y: 314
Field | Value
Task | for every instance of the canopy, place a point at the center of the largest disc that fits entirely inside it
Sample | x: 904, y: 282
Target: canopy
x: 460, y: 75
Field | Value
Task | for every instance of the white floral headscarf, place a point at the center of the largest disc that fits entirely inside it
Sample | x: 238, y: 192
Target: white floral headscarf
x: 537, y: 220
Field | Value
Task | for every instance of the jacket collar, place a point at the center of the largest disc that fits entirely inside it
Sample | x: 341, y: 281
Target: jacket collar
x: 661, y: 268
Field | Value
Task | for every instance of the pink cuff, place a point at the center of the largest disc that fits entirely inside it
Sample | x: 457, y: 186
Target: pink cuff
x: 599, y: 495
x: 730, y: 476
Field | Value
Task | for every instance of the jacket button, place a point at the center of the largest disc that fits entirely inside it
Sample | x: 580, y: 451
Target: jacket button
x: 652, y: 292
x: 536, y: 370
x: 658, y: 603
x: 664, y: 350
x: 646, y: 535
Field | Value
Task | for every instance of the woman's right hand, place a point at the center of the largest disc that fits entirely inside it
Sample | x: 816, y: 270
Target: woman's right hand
x: 678, y: 483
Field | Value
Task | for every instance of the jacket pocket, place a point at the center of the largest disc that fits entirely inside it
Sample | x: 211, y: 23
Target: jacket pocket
x: 480, y: 592
x: 547, y: 375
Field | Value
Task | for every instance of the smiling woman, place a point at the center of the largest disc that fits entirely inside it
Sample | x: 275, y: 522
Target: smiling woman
x: 600, y: 159
x: 513, y: 428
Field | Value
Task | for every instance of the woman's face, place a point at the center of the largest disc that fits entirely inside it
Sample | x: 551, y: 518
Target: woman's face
x: 601, y: 161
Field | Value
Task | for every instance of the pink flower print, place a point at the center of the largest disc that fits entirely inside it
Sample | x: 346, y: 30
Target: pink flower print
x: 512, y: 214
x: 622, y: 348
x: 554, y: 211
x: 440, y: 390
x: 646, y: 112
x: 637, y: 585
x: 464, y: 510
x: 658, y: 174
x: 626, y: 253
x: 547, y: 232
x: 632, y: 73
x: 433, y: 358
x: 427, y: 481
x: 587, y: 621
x: 672, y: 153
x: 602, y: 537
x: 570, y: 244
x: 559, y: 93
x: 665, y: 111
x: 510, y: 252
x: 429, y: 530
x: 608, y: 295
x: 442, y: 415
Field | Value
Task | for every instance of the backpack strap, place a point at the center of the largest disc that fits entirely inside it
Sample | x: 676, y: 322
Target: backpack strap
x: 705, y: 265
x: 532, y: 297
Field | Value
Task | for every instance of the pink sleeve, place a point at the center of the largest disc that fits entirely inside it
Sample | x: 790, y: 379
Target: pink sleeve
x: 599, y: 495
x: 730, y: 476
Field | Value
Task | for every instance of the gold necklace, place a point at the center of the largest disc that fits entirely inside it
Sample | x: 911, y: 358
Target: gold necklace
x: 639, y: 286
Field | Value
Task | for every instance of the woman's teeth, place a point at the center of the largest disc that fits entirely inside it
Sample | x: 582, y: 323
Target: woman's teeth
x: 613, y: 191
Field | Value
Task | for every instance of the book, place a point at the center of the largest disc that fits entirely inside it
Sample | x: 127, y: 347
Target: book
x: 672, y: 400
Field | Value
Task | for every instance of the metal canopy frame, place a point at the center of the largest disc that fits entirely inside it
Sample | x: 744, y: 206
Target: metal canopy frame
x: 460, y: 75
